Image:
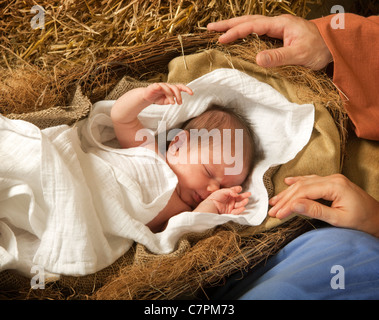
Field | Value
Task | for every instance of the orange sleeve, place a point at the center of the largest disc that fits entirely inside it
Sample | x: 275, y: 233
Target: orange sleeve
x: 355, y: 51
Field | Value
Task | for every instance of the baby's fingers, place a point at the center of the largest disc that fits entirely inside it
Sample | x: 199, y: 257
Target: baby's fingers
x: 245, y: 195
x: 236, y: 189
x: 242, y: 196
x: 184, y: 88
x: 238, y: 211
x: 170, y: 92
x: 241, y: 203
x: 177, y: 89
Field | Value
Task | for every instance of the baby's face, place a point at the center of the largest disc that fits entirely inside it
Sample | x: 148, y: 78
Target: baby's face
x: 198, y: 179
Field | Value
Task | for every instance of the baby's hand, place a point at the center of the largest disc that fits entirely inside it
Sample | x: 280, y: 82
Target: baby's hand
x: 229, y: 200
x: 165, y: 93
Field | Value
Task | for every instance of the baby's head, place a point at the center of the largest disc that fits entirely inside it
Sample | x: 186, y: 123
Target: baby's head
x: 227, y: 131
x: 214, y: 150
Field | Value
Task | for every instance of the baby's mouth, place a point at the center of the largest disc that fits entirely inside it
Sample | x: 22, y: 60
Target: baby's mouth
x: 196, y: 197
x: 191, y: 201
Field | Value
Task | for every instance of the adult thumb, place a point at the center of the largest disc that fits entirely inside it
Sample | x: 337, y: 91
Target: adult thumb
x: 314, y: 210
x: 276, y: 57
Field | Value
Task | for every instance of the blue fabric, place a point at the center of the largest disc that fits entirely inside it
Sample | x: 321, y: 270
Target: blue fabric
x: 328, y: 263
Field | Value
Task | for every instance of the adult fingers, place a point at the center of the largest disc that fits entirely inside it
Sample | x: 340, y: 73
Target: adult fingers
x: 271, y: 26
x: 301, y: 181
x: 225, y: 25
x: 314, y: 210
x: 307, y: 187
x: 278, y: 57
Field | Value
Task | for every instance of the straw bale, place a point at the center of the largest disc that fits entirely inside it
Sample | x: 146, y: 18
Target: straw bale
x: 76, y: 35
x: 76, y: 30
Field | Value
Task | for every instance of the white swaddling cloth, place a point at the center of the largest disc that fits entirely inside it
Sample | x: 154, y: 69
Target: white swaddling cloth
x: 72, y: 202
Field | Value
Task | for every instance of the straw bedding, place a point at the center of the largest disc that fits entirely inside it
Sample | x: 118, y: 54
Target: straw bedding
x: 56, y: 84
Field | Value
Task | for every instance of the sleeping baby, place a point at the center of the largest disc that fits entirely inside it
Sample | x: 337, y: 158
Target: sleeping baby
x: 73, y: 202
x: 207, y: 181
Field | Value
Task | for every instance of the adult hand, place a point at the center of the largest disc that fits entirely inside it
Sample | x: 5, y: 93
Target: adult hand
x: 302, y: 42
x: 351, y: 206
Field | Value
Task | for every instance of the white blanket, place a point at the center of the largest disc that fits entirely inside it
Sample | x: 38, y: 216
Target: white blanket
x: 72, y: 202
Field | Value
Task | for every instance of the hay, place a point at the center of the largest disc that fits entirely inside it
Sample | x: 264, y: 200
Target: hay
x: 206, y: 264
x: 77, y: 35
x: 91, y: 43
x: 76, y: 31
x: 28, y: 89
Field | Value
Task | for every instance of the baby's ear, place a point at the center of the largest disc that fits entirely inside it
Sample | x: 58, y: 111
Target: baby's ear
x: 180, y: 140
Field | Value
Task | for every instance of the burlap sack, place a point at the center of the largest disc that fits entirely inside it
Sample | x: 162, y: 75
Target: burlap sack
x: 361, y: 164
x: 78, y: 109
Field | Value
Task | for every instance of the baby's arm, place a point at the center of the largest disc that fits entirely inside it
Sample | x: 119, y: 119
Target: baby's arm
x: 174, y: 206
x: 226, y: 200
x: 125, y: 111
